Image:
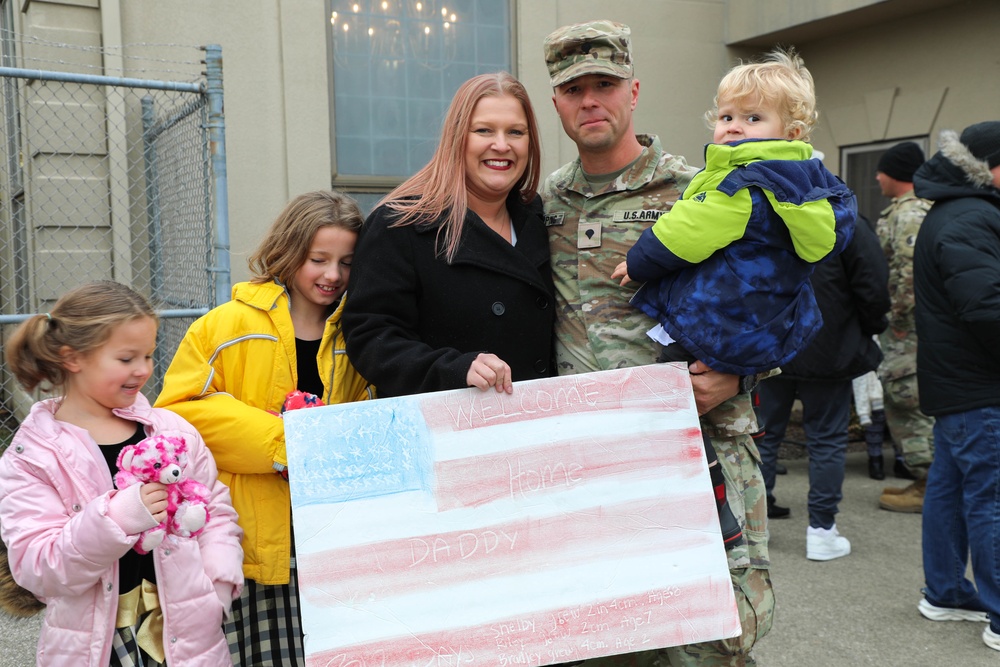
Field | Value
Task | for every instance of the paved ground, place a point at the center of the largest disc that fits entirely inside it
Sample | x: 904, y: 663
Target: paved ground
x: 17, y: 641
x: 861, y: 609
x: 858, y: 610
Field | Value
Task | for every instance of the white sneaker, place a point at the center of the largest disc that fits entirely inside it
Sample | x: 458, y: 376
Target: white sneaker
x: 991, y: 638
x: 935, y: 613
x: 826, y: 544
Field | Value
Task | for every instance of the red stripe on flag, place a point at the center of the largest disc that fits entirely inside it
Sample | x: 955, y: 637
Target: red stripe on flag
x: 670, y: 617
x: 535, y: 472
x: 650, y: 527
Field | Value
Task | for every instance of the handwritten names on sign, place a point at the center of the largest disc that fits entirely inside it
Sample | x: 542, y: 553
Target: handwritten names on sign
x: 573, y: 519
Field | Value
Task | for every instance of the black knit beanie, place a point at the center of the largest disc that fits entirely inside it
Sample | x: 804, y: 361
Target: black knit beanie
x: 983, y: 141
x: 901, y: 161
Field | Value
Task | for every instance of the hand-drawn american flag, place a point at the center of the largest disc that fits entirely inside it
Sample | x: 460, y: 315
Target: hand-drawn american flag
x: 571, y: 520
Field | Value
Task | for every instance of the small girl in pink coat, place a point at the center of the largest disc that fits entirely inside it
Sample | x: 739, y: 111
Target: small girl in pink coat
x: 70, y: 534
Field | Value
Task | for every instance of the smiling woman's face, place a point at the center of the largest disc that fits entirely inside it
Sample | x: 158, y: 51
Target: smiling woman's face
x: 496, y: 149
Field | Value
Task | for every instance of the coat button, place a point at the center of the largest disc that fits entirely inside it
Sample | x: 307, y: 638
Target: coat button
x: 166, y: 552
x: 76, y: 508
x: 542, y: 302
x: 173, y: 640
x: 110, y: 586
x: 19, y: 448
x: 498, y: 309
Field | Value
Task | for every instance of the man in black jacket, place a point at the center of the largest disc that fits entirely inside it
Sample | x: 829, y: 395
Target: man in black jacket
x: 956, y: 270
x: 853, y: 295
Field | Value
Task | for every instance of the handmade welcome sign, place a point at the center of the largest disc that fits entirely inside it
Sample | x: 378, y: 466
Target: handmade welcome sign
x: 571, y: 520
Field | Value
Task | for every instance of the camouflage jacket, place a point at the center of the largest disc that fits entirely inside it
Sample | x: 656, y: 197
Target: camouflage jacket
x: 590, y: 233
x: 897, y: 230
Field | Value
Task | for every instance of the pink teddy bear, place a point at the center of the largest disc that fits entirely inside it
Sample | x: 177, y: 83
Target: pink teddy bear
x: 163, y: 459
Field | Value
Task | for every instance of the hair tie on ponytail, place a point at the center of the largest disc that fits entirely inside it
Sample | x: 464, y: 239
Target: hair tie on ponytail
x: 48, y: 316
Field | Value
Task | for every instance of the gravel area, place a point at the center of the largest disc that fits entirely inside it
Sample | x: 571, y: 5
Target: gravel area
x: 18, y: 637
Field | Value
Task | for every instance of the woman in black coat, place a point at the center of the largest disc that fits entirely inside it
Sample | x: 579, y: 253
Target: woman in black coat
x: 451, y: 285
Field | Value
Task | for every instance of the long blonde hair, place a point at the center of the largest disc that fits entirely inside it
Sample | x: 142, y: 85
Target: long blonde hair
x: 284, y: 247
x: 81, y: 320
x: 440, y: 186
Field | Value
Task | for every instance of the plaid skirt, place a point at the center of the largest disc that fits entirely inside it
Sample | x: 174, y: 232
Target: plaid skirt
x: 131, y: 641
x: 266, y: 629
x: 125, y: 652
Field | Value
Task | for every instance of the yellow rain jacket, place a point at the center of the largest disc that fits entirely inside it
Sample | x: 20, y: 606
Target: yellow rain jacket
x: 229, y: 378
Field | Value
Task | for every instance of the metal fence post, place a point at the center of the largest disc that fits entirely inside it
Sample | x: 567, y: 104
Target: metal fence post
x: 217, y: 145
x: 152, y: 196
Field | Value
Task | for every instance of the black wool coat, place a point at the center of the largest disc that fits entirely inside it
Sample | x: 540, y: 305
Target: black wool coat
x: 852, y: 290
x: 415, y: 323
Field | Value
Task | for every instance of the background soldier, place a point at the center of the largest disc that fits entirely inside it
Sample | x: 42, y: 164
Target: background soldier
x: 911, y: 429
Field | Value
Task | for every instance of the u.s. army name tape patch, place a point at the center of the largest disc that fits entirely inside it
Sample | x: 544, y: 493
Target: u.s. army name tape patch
x: 641, y: 215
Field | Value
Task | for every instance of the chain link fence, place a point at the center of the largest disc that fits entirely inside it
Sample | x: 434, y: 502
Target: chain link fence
x: 111, y: 178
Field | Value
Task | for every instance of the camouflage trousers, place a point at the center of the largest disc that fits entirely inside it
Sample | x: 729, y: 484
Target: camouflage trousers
x: 911, y: 429
x: 748, y: 570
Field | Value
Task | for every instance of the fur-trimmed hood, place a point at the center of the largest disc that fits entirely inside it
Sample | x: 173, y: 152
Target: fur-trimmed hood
x: 15, y: 600
x: 954, y: 172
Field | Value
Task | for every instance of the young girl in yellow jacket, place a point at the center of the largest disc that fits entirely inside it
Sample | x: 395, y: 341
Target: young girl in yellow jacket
x: 230, y: 377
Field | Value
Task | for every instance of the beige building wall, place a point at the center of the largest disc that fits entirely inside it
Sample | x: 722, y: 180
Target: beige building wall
x: 769, y: 21
x: 915, y: 75
x: 277, y: 106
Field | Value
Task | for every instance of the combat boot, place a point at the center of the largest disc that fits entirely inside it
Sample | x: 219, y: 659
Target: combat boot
x: 911, y: 500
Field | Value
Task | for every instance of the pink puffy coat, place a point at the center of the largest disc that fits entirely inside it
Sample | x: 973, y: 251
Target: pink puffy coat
x: 66, y: 526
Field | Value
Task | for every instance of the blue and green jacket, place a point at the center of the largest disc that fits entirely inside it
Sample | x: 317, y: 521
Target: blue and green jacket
x: 726, y: 270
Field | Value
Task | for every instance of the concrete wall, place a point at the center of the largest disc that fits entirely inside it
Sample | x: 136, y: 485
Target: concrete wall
x: 748, y: 19
x: 763, y: 22
x: 914, y: 75
x: 277, y: 106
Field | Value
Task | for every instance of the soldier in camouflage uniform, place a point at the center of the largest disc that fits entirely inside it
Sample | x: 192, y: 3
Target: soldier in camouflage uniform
x: 596, y: 207
x: 910, y: 428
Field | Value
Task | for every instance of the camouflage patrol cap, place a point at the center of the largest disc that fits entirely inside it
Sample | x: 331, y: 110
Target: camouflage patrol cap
x: 594, y: 47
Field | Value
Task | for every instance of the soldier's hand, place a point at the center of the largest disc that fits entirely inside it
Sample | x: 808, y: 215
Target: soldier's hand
x: 711, y: 387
